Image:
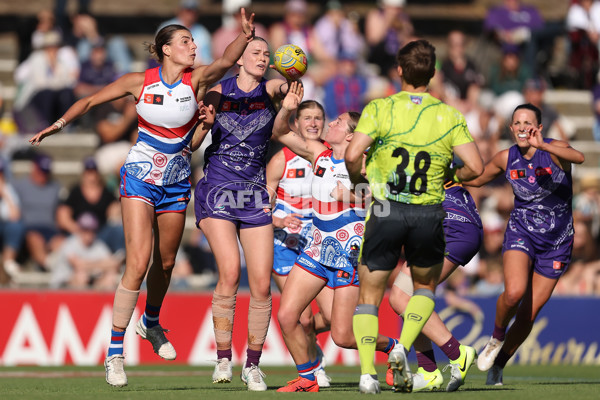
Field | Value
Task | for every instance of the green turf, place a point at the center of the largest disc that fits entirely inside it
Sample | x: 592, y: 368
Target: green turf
x: 182, y: 382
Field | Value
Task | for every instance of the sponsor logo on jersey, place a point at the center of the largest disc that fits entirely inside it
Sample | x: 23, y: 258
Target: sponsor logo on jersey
x: 150, y: 98
x: 152, y: 86
x: 169, y: 93
x: 230, y: 106
x: 296, y: 173
x: 517, y: 173
x: 257, y: 105
x: 539, y: 171
x: 184, y: 98
x: 320, y: 172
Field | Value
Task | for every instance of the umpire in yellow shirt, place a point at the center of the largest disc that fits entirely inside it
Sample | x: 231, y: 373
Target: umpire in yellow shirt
x: 411, y: 137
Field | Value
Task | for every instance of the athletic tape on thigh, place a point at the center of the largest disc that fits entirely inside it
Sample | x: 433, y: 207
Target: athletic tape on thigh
x: 259, y: 315
x: 123, y: 306
x: 223, y: 309
x: 404, y: 282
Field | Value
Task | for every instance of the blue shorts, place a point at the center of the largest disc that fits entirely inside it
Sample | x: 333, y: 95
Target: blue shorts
x: 547, y: 261
x: 168, y: 198
x: 334, y: 277
x: 283, y: 260
x: 463, y: 241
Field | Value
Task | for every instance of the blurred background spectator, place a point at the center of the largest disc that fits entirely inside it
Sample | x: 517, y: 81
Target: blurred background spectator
x: 583, y: 26
x: 296, y: 28
x: 346, y: 90
x: 231, y: 26
x: 462, y: 78
x: 40, y: 196
x: 90, y: 196
x: 513, y: 26
x: 387, y: 28
x: 187, y: 15
x: 84, y: 261
x: 85, y: 35
x: 11, y: 228
x: 45, y: 80
x: 337, y: 33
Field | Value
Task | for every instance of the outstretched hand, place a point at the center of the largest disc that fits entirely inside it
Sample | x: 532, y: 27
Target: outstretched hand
x: 294, y: 96
x: 51, y: 130
x: 248, y: 25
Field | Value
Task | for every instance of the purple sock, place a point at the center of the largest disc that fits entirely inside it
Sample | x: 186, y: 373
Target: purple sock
x: 426, y: 360
x: 501, y: 359
x: 252, y: 357
x: 499, y: 333
x: 451, y: 348
x: 224, y: 354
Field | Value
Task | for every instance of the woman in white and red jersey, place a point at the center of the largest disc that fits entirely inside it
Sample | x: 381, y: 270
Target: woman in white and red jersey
x: 290, y: 176
x: 331, y: 254
x: 155, y: 184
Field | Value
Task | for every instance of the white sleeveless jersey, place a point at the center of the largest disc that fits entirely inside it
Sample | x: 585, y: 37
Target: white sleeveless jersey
x: 294, y: 196
x: 167, y: 118
x: 338, y: 226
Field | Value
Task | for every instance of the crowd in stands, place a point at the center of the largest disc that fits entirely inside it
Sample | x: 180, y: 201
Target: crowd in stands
x: 75, y: 234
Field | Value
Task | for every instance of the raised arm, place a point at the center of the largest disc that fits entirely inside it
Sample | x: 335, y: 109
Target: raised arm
x: 564, y: 153
x: 209, y: 74
x: 494, y: 168
x: 282, y: 132
x: 127, y: 84
x: 472, y: 163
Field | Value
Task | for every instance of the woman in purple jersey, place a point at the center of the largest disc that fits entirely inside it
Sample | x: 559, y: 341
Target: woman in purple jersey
x: 232, y: 201
x: 154, y: 209
x: 539, y: 234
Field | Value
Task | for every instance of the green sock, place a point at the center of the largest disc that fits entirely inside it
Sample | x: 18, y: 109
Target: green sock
x: 365, y: 325
x: 418, y: 311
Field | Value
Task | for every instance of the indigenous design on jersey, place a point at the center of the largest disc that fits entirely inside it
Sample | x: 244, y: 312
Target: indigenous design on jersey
x: 413, y: 134
x: 167, y: 119
x: 543, y: 196
x: 460, y: 206
x: 240, y: 137
x: 338, y: 227
x: 294, y: 196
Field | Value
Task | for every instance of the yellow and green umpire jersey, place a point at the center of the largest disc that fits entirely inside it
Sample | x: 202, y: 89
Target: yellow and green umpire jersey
x: 413, y: 134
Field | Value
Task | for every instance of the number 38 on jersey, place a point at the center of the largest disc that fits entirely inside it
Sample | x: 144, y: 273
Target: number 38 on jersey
x: 409, y: 177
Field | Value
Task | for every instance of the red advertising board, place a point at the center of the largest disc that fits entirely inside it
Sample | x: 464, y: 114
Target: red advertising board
x: 59, y: 327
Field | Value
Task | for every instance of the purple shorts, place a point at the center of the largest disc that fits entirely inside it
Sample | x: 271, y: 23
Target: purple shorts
x: 463, y: 241
x: 549, y: 261
x: 247, y: 208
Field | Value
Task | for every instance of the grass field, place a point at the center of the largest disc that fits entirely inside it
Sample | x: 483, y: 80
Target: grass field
x: 183, y: 382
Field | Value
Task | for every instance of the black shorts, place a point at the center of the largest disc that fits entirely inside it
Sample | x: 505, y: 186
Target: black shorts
x: 417, y: 228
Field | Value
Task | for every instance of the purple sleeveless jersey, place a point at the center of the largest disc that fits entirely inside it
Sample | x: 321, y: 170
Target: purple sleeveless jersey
x: 541, y: 223
x: 234, y: 182
x: 463, y: 229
